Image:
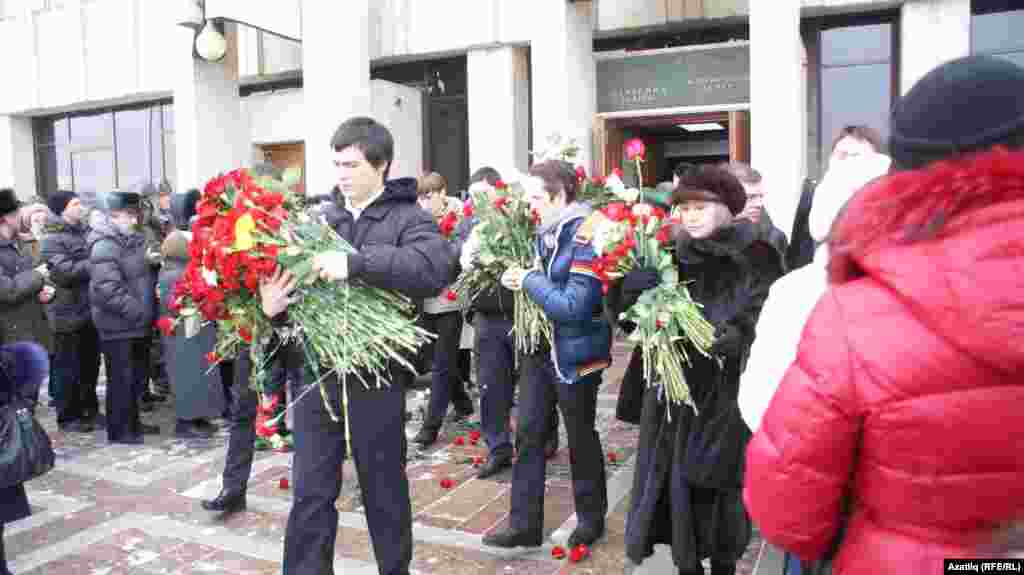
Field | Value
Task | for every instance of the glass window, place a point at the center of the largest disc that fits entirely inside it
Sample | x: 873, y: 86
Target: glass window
x: 856, y: 81
x: 93, y: 131
x: 156, y: 145
x: 133, y: 154
x: 997, y: 32
x: 170, y: 172
x: 94, y: 174
x: 856, y: 45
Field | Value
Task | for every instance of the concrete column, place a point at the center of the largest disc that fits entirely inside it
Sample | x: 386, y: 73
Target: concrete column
x: 17, y: 156
x: 778, y: 105
x: 336, y: 79
x: 211, y: 131
x: 933, y: 32
x: 498, y: 109
x: 564, y: 91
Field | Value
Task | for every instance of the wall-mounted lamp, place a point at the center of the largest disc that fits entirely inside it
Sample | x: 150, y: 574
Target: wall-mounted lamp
x: 209, y: 43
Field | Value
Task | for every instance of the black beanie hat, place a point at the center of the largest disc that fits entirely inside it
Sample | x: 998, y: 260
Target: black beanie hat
x: 118, y: 200
x: 59, y: 200
x: 183, y: 207
x: 8, y: 201
x: 965, y: 105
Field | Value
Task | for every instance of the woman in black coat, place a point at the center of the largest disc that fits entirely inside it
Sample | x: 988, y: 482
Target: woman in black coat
x: 23, y: 367
x: 687, y: 490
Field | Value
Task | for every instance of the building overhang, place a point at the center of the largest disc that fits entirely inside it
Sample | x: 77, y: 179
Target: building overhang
x: 280, y: 17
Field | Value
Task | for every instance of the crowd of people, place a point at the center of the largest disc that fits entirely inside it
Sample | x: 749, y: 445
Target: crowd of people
x: 857, y: 407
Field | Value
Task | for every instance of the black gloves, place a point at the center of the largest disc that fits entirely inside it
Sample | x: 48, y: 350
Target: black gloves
x: 640, y: 280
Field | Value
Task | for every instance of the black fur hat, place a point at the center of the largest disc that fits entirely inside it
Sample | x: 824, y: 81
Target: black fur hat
x: 118, y: 200
x: 9, y: 202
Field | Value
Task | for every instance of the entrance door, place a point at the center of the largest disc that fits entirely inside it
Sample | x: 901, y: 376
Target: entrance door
x: 671, y: 140
x: 448, y: 129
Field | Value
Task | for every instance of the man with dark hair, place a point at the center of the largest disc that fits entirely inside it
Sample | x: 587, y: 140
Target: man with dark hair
x: 754, y: 210
x: 77, y: 347
x: 485, y: 174
x: 399, y: 248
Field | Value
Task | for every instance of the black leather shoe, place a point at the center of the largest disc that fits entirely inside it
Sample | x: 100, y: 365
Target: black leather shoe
x: 146, y: 429
x: 509, y: 537
x: 426, y: 437
x: 129, y: 440
x: 150, y: 397
x: 226, y: 502
x: 585, y: 535
x: 189, y: 430
x: 494, y: 466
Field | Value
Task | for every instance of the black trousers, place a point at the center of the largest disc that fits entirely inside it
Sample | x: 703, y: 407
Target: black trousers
x: 379, y: 447
x: 77, y: 361
x: 3, y: 554
x: 578, y: 402
x: 496, y: 378
x: 241, y: 426
x: 446, y: 384
x: 128, y: 367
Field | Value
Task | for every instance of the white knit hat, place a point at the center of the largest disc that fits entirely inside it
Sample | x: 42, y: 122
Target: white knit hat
x: 844, y: 179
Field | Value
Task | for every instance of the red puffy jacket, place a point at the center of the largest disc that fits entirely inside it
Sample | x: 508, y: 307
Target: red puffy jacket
x: 907, y: 394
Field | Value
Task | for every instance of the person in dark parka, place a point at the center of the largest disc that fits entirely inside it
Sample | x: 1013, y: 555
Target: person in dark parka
x: 400, y: 248
x: 23, y: 367
x: 23, y: 283
x: 688, y: 481
x: 198, y: 393
x: 122, y: 295
x: 77, y: 347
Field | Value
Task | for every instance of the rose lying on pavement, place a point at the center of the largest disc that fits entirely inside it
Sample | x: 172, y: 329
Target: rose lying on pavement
x: 447, y: 483
x: 558, y: 552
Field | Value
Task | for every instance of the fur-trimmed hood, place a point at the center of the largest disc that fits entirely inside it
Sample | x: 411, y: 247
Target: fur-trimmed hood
x: 948, y: 240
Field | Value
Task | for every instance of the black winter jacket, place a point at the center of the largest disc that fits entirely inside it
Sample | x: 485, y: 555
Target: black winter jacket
x: 66, y: 253
x: 122, y: 286
x: 20, y: 284
x: 400, y: 246
x: 801, y: 244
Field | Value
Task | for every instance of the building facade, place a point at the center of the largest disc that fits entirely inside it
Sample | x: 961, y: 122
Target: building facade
x: 105, y: 94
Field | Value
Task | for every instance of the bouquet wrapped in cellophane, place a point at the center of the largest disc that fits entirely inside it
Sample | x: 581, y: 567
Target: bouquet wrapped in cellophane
x: 249, y: 226
x: 633, y: 234
x: 505, y: 233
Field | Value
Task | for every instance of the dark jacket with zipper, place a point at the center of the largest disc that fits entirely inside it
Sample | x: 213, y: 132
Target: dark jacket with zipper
x: 66, y: 253
x: 122, y: 286
x: 20, y: 284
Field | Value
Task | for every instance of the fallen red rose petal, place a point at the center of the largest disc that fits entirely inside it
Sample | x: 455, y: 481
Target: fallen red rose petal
x: 447, y: 483
x: 478, y: 461
x: 558, y: 552
x: 283, y: 483
x: 579, y: 553
x: 474, y: 435
x: 452, y: 296
x: 460, y: 440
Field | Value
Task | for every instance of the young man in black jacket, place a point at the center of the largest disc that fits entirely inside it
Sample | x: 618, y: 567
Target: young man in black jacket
x: 122, y: 295
x: 399, y: 248
x: 66, y: 252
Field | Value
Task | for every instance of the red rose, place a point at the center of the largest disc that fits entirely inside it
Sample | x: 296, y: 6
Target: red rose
x: 635, y: 149
x: 474, y: 435
x: 660, y: 324
x: 460, y: 440
x: 499, y: 185
x: 451, y: 296
x: 558, y: 552
x: 245, y: 334
x: 579, y: 553
x: 447, y: 483
x: 283, y: 483
x: 212, y: 357
x: 616, y: 212
x: 252, y: 280
x: 604, y: 289
x: 612, y: 457
x: 500, y: 202
x: 467, y: 210
x: 478, y: 461
x: 165, y: 325
x: 581, y: 174
x: 598, y: 181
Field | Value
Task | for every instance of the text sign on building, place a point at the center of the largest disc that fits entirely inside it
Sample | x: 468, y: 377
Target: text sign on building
x: 712, y: 76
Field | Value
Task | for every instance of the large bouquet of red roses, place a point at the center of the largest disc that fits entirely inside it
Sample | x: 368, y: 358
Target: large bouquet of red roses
x: 249, y: 226
x: 505, y: 235
x: 633, y: 234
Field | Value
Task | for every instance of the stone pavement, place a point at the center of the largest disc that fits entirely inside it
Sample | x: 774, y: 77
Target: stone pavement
x: 116, y: 510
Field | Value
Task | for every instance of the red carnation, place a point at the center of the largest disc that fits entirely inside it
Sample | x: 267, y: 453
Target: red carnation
x: 467, y: 210
x: 499, y: 185
x: 612, y: 457
x: 245, y: 334
x: 166, y: 326
x: 664, y: 235
x: 558, y: 552
x: 451, y: 296
x: 660, y: 324
x: 598, y: 181
x: 500, y: 202
x: 460, y: 440
x: 212, y: 357
x: 617, y: 211
x: 447, y: 483
x: 581, y: 174
x: 474, y: 435
x: 283, y: 483
x: 478, y: 461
